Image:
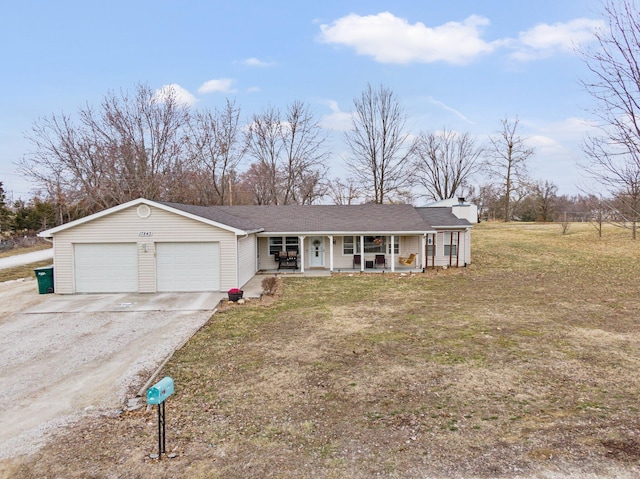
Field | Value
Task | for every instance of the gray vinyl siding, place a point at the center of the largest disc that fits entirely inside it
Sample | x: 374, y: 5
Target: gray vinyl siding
x: 246, y: 259
x: 127, y: 226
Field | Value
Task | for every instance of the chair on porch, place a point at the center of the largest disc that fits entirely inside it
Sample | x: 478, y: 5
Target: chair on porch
x: 357, y: 261
x: 380, y: 259
x: 407, y: 260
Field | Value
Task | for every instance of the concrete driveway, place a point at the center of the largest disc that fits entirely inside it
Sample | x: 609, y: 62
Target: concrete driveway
x: 63, y: 357
x: 27, y: 258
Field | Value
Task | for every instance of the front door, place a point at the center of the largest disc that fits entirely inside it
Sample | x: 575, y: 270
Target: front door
x: 316, y: 252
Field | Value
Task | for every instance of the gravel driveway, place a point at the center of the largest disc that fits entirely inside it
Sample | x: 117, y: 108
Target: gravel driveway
x: 62, y: 357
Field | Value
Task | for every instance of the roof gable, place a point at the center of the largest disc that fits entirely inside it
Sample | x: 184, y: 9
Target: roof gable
x: 137, y: 202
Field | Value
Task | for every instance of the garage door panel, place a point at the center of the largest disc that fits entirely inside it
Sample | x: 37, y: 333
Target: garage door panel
x: 188, y: 266
x: 106, y: 268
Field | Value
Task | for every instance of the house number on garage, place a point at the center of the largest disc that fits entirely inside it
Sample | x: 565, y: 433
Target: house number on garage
x: 145, y: 234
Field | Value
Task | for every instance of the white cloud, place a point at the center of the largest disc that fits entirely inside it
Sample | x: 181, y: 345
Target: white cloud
x: 255, y: 62
x: 544, y: 40
x: 180, y: 94
x: 336, y: 120
x: 389, y: 39
x: 221, y: 85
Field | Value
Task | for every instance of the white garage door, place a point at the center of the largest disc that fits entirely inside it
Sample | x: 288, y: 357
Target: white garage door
x: 188, y: 266
x: 106, y: 268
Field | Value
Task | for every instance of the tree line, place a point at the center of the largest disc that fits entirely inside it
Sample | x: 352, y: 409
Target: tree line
x: 148, y: 144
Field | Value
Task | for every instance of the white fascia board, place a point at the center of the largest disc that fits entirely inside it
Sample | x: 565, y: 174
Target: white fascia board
x: 346, y: 233
x: 456, y: 227
x: 50, y: 232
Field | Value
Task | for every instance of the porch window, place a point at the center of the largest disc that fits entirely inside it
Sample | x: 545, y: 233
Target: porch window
x: 374, y: 244
x: 275, y: 245
x: 290, y: 243
x: 348, y: 245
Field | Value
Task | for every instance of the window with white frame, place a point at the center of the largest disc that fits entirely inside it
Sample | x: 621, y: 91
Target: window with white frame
x: 451, y: 244
x: 292, y: 243
x: 372, y: 244
x: 275, y: 245
x: 348, y: 245
x: 288, y: 243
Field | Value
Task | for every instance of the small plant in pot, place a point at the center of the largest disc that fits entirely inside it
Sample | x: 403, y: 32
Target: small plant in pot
x: 235, y: 294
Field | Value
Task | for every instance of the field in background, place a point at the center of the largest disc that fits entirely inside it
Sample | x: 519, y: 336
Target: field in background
x: 524, y: 364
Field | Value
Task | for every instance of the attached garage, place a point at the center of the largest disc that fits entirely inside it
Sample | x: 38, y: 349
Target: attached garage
x: 188, y: 266
x: 106, y: 267
x: 148, y: 247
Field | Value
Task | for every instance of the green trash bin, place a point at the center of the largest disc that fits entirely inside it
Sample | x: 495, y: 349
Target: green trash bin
x: 45, y: 279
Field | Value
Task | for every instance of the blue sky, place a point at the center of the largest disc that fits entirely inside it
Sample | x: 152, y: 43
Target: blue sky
x: 461, y: 65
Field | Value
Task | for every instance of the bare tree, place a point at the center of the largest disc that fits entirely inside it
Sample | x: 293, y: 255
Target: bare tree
x: 215, y: 151
x: 304, y: 155
x: 545, y: 195
x: 445, y: 161
x: 257, y: 183
x: 263, y: 140
x: 289, y: 153
x: 381, y: 149
x: 128, y: 148
x: 506, y: 162
x: 345, y: 192
x: 613, y: 156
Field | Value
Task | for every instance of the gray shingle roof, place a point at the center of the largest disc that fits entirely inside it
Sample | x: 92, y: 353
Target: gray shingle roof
x: 441, y: 216
x: 344, y: 219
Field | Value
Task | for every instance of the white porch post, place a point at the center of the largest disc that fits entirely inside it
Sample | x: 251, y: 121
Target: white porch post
x: 331, y: 253
x: 361, y: 253
x: 423, y: 248
x: 393, y: 254
x: 301, y: 241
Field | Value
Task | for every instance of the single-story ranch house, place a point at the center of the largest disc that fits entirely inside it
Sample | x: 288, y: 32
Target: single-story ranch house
x: 146, y: 246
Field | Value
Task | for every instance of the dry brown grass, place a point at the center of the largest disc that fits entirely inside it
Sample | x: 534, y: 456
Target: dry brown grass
x: 525, y: 364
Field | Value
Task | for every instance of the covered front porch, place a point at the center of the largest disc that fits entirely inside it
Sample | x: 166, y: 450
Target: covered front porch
x: 382, y: 252
x: 342, y: 253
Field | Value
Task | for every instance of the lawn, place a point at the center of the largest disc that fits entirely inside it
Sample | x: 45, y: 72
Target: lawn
x: 524, y: 364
